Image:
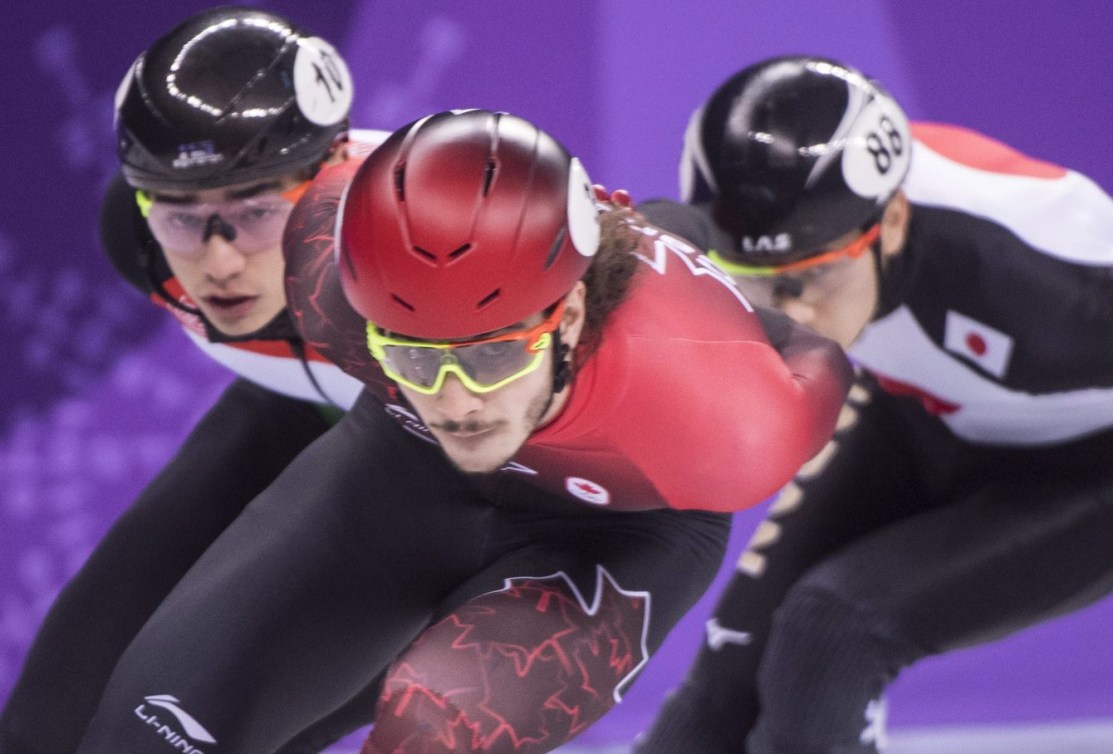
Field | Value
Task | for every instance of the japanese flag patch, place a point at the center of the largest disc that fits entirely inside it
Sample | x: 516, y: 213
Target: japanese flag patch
x: 979, y: 343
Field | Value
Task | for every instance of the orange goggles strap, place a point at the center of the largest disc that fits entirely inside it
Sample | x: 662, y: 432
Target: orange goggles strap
x: 854, y: 249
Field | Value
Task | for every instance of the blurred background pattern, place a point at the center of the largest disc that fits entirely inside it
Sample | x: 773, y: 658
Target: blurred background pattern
x: 99, y: 387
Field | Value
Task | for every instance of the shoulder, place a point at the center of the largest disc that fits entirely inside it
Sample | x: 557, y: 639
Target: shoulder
x: 314, y: 294
x: 1054, y: 210
x: 363, y: 141
x: 692, y: 223
x: 974, y: 150
x: 679, y: 294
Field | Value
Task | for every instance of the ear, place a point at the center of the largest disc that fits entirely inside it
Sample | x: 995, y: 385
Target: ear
x: 894, y: 225
x: 575, y: 313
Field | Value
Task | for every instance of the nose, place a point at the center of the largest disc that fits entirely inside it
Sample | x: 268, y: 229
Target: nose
x: 220, y: 259
x: 757, y: 293
x: 455, y: 402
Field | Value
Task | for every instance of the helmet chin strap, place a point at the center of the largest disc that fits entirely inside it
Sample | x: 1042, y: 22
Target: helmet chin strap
x: 562, y: 366
x: 562, y: 370
x: 148, y: 252
x: 879, y: 274
x: 281, y: 327
x: 879, y: 304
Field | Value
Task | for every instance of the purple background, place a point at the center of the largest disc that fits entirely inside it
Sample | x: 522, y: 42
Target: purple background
x: 99, y: 387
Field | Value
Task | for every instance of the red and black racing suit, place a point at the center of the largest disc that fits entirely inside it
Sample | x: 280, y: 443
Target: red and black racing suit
x: 508, y: 611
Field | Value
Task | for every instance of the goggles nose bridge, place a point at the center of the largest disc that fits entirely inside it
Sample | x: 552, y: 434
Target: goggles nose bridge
x: 218, y: 226
x: 254, y: 224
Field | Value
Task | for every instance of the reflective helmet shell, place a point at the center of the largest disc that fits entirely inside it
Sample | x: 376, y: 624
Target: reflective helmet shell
x: 230, y: 95
x: 793, y: 153
x: 463, y: 223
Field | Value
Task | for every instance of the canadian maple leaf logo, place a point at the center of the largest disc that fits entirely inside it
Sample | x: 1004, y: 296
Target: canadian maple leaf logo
x: 520, y: 669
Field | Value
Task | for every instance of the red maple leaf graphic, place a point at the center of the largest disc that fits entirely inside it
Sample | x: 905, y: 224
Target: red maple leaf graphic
x: 588, y: 487
x: 317, y: 304
x: 521, y: 669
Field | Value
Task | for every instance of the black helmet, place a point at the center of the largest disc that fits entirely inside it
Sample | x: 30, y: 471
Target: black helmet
x: 793, y: 153
x: 230, y: 95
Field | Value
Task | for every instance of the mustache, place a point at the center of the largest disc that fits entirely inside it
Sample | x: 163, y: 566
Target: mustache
x: 465, y: 426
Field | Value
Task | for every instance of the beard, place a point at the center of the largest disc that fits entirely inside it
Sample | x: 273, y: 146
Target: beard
x: 535, y: 412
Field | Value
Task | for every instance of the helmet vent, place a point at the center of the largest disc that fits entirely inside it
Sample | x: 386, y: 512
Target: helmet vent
x: 426, y: 254
x: 402, y: 302
x: 488, y: 176
x: 490, y: 297
x: 457, y: 253
x: 558, y: 242
x: 400, y: 182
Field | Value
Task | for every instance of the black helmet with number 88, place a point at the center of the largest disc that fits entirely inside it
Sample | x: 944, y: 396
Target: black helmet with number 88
x: 230, y: 95
x: 792, y: 154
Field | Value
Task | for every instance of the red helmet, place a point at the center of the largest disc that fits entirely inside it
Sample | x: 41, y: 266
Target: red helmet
x: 462, y: 223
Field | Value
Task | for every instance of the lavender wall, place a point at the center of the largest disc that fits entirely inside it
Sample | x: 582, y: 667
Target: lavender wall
x: 99, y: 389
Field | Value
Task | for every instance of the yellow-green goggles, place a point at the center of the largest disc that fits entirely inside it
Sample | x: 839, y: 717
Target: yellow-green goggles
x: 482, y: 365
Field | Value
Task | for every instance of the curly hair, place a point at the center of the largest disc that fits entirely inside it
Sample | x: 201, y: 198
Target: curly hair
x: 609, y: 276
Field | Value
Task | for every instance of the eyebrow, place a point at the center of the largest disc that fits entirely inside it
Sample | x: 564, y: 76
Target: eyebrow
x: 244, y: 193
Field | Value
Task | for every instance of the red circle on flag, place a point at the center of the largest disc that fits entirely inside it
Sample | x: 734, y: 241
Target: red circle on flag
x: 976, y: 343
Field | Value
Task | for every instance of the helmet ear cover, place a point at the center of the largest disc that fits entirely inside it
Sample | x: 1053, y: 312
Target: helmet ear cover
x: 231, y: 95
x: 465, y: 222
x: 793, y: 153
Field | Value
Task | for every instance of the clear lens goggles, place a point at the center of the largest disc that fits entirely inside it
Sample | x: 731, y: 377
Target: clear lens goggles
x: 482, y: 364
x: 252, y: 225
x: 855, y: 248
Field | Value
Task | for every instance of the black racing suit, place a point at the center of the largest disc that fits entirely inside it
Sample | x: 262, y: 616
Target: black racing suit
x: 970, y: 491
x: 245, y: 439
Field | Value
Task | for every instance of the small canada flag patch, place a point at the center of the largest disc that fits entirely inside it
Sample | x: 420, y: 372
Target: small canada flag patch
x: 979, y: 343
x: 587, y: 490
